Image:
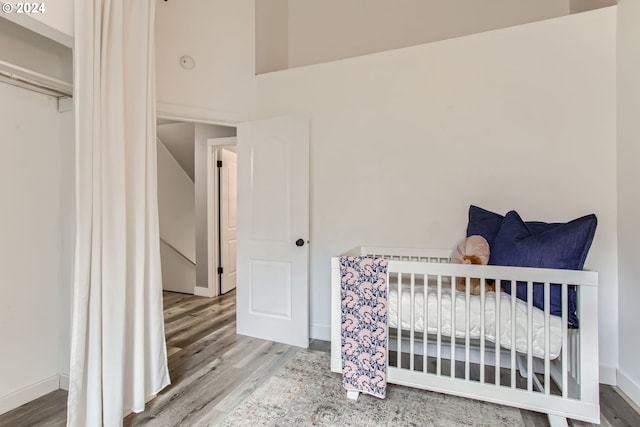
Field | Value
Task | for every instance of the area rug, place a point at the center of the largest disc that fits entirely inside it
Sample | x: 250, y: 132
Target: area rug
x: 304, y: 392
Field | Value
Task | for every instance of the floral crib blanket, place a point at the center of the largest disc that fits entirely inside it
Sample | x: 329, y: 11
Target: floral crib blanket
x: 364, y: 324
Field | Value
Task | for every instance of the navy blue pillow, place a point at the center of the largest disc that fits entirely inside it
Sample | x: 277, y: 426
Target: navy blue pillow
x: 487, y: 224
x: 541, y: 245
x: 484, y: 223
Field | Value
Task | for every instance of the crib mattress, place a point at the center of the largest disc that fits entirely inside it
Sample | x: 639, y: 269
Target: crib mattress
x: 538, y: 341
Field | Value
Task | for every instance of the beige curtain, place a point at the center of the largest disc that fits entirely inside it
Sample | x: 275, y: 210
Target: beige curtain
x: 118, y: 350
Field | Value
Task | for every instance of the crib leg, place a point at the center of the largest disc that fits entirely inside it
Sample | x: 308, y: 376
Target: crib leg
x: 352, y: 394
x: 557, y: 421
x: 522, y: 366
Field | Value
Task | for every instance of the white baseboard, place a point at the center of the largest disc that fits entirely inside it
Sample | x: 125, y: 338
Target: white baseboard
x: 320, y: 332
x: 203, y: 292
x: 64, y: 382
x: 29, y: 393
x: 629, y: 387
x: 608, y: 375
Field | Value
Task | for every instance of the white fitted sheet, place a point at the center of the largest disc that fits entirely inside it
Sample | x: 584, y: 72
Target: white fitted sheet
x: 538, y: 344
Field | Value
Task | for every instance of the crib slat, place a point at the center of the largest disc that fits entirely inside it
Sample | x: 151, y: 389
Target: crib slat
x: 513, y: 333
x: 574, y: 356
x: 565, y: 349
x: 399, y: 346
x: 453, y: 328
x: 578, y: 354
x: 498, y: 347
x: 425, y: 327
x: 467, y: 341
x: 547, y: 320
x: 483, y: 284
x: 529, y: 335
x: 412, y: 319
x: 439, y: 331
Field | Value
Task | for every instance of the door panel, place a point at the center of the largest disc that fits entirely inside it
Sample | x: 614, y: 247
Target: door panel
x: 270, y: 192
x: 273, y: 212
x: 270, y: 287
x: 228, y: 219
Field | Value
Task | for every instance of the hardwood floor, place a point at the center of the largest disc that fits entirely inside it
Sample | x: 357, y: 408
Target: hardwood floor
x: 213, y: 370
x: 48, y: 411
x: 211, y: 367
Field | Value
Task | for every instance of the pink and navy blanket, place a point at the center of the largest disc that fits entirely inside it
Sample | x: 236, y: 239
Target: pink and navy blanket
x: 364, y: 324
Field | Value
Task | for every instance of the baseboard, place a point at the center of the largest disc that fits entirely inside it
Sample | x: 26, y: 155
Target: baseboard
x: 320, y: 332
x: 203, y: 292
x: 29, y: 393
x: 629, y: 387
x: 64, y: 382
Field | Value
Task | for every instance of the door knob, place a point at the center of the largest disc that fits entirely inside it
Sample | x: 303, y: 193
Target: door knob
x: 299, y: 242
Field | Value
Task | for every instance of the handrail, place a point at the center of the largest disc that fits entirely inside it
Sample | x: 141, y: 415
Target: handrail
x: 176, y: 250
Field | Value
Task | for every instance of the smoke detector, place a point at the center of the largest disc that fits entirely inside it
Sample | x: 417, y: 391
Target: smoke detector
x: 187, y: 62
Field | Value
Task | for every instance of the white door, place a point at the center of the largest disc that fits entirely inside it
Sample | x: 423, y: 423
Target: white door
x: 273, y: 230
x: 228, y: 219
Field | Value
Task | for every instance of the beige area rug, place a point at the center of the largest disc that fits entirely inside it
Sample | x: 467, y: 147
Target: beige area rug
x: 304, y: 392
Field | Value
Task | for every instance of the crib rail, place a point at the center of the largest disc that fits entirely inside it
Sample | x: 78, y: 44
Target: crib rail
x: 435, y: 346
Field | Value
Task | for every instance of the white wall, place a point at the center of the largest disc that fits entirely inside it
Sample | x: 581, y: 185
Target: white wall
x: 36, y: 241
x: 26, y: 49
x: 577, y: 6
x: 328, y: 30
x: 58, y: 15
x: 178, y: 138
x: 272, y: 35
x: 178, y: 273
x: 176, y: 211
x: 203, y: 133
x: 403, y: 141
x: 629, y: 195
x: 220, y: 36
x: 56, y: 23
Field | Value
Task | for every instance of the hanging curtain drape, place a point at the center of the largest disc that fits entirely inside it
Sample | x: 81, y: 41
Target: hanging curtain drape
x: 118, y: 350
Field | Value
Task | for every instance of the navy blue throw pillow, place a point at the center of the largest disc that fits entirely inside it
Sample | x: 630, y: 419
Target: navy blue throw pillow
x: 541, y: 245
x: 487, y: 224
x: 484, y: 223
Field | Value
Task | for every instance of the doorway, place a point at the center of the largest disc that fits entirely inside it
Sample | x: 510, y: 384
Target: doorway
x: 184, y: 208
x: 273, y: 225
x: 176, y: 205
x: 222, y: 166
x: 227, y: 194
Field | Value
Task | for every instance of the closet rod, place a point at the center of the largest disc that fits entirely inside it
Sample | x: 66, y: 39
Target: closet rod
x: 36, y: 82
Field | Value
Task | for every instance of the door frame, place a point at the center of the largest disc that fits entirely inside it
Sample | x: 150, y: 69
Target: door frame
x: 212, y: 215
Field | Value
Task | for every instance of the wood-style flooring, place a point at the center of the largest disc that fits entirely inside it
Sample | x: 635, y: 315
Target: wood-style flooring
x: 213, y: 370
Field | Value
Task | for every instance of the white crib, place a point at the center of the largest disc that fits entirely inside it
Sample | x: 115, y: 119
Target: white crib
x: 564, y: 385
